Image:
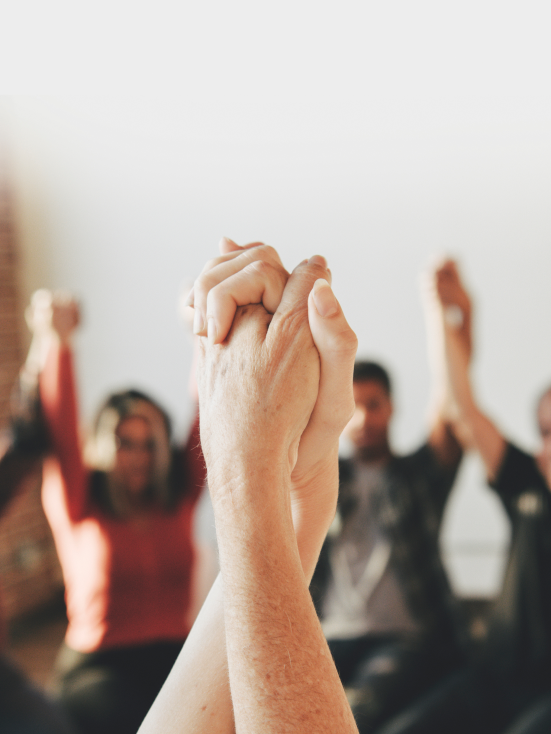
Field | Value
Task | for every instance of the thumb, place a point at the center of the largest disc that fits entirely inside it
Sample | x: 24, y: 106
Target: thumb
x: 295, y: 295
x: 337, y: 345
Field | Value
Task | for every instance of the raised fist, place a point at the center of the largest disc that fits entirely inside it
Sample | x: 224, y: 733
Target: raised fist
x: 56, y: 312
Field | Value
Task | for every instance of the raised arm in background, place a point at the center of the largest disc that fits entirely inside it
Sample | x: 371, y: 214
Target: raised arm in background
x: 25, y: 444
x: 452, y: 308
x: 443, y: 438
x: 293, y: 685
x: 53, y: 319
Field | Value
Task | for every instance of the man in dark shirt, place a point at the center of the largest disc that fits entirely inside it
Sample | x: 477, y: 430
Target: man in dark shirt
x: 380, y: 588
x: 514, y: 674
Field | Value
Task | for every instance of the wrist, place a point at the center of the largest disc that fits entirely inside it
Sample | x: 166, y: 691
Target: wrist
x: 313, y: 503
x: 252, y: 512
x: 248, y: 483
x: 309, y: 543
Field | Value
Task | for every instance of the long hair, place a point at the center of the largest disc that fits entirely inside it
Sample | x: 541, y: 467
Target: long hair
x: 101, y: 448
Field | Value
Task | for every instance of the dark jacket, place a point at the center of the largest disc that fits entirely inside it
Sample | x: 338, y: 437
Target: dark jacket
x: 409, y: 508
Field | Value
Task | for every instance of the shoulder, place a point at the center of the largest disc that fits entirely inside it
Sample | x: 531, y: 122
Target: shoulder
x: 422, y: 471
x: 518, y: 474
x: 421, y: 461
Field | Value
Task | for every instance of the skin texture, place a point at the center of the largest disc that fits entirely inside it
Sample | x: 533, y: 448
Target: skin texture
x: 276, y: 627
x: 274, y: 484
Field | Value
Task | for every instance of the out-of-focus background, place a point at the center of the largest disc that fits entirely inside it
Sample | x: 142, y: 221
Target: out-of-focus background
x: 381, y: 135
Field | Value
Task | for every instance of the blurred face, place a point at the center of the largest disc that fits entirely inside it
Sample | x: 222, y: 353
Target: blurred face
x: 544, y: 421
x: 135, y: 454
x: 368, y: 427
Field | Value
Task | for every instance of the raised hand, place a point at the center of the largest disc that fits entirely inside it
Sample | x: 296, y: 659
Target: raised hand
x: 238, y: 277
x: 286, y: 374
x: 454, y: 301
x: 53, y: 313
x: 51, y: 317
x: 449, y: 286
x: 258, y: 392
x: 256, y: 274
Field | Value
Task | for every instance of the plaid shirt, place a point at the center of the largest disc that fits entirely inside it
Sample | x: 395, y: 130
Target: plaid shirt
x: 409, y: 506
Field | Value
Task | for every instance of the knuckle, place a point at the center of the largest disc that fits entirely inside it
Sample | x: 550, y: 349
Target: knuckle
x: 260, y: 267
x: 345, y: 342
x: 211, y: 264
x: 270, y: 251
x: 202, y: 285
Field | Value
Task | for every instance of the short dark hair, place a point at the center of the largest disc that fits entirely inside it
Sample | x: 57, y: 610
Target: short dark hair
x: 365, y: 370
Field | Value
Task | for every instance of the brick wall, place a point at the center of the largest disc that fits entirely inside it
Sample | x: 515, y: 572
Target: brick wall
x: 29, y: 571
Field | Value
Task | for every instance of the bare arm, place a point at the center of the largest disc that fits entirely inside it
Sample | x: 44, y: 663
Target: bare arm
x: 197, y: 690
x: 53, y: 319
x: 442, y: 435
x: 478, y: 429
x: 23, y: 448
x: 282, y: 677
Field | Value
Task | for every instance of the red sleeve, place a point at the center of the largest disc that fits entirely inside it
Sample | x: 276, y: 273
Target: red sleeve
x: 58, y: 398
x: 196, y: 473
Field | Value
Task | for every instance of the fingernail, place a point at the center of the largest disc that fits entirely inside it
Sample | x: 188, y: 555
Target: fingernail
x: 211, y: 330
x: 324, y: 299
x: 198, y: 322
x: 318, y: 260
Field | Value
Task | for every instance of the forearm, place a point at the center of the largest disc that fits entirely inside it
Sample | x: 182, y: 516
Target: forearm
x: 261, y: 395
x: 315, y: 509
x: 282, y: 676
x: 482, y: 433
x: 197, y: 690
x: 484, y: 436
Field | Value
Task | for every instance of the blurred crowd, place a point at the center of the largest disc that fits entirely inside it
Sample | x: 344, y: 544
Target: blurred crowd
x: 121, y: 507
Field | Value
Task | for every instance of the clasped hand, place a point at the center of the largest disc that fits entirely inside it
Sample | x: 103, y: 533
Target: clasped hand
x: 275, y: 374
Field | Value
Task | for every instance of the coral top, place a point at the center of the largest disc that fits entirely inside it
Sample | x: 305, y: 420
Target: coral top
x: 128, y: 582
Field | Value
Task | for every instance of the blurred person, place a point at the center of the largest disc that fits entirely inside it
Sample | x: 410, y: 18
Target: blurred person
x: 274, y: 396
x: 23, y: 708
x: 122, y: 524
x: 517, y: 656
x: 507, y: 687
x: 380, y: 588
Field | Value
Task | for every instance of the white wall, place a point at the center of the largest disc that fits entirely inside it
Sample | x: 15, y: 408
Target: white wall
x: 379, y: 138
